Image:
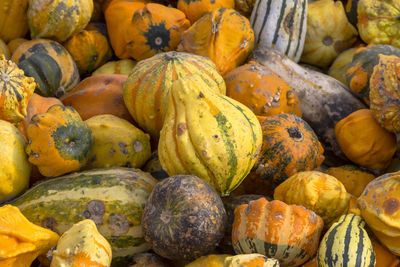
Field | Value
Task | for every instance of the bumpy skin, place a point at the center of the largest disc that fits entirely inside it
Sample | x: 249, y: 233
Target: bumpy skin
x: 58, y: 141
x: 184, y: 218
x: 58, y: 19
x: 13, y: 21
x: 378, y: 21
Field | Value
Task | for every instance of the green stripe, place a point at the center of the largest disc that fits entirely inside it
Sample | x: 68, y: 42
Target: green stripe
x: 278, y: 24
x: 291, y: 27
x: 303, y: 11
x: 264, y: 20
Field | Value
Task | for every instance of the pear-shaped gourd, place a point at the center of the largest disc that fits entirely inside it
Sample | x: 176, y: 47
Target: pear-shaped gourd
x: 209, y: 135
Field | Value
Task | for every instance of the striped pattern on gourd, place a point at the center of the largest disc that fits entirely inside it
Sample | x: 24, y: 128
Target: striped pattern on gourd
x: 346, y: 244
x: 281, y: 25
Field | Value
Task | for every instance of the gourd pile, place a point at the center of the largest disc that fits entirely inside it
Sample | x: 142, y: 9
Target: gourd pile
x: 222, y: 133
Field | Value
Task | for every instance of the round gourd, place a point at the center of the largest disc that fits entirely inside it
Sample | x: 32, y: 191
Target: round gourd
x: 123, y: 66
x: 58, y: 141
x: 364, y: 141
x: 319, y: 192
x: 140, y: 31
x: 50, y: 64
x: 116, y: 142
x: 16, y: 89
x: 97, y: 95
x: 223, y: 35
x: 14, y: 175
x: 194, y: 10
x: 184, y: 218
x: 264, y: 92
x: 289, y: 146
x: 146, y: 90
x: 288, y: 233
x: 89, y: 49
x: 58, y: 19
x: 209, y: 135
x: 13, y: 20
x: 82, y: 245
x: 340, y: 65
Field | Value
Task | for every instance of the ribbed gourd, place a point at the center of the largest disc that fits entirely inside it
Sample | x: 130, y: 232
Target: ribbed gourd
x: 346, y: 244
x: 209, y: 135
x: 281, y: 25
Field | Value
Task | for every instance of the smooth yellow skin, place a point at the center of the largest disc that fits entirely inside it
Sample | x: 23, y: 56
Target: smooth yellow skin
x: 82, y: 245
x: 117, y: 142
x: 14, y: 168
x: 13, y: 22
x: 123, y: 66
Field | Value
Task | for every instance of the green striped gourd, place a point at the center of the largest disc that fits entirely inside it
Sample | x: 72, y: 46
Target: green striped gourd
x: 346, y: 244
x: 148, y: 85
x: 208, y: 135
x: 281, y: 25
x: 113, y: 198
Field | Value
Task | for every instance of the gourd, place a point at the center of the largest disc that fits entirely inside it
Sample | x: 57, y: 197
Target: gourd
x: 13, y: 22
x: 208, y: 135
x: 58, y: 141
x: 4, y: 50
x: 15, y: 43
x: 209, y: 260
x: 251, y: 260
x: 340, y: 65
x: 383, y: 256
x: 123, y: 66
x: 194, y: 10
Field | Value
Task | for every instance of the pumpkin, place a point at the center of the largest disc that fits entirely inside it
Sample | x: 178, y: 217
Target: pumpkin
x: 264, y: 92
x: 385, y: 92
x: 89, y: 49
x: 50, y: 64
x: 289, y: 146
x: 37, y: 104
x: 140, y: 31
x: 153, y: 166
x: 208, y: 135
x: 194, y: 10
x: 16, y: 89
x: 378, y: 21
x: 146, y: 90
x: 281, y: 25
x: 250, y: 260
x: 58, y: 141
x: 13, y: 19
x: 99, y: 94
x: 359, y: 73
x: 15, y: 43
x: 319, y: 192
x: 82, y: 245
x: 116, y: 142
x: 22, y: 241
x: 209, y: 261
x: 328, y: 33
x: 364, y: 141
x: 379, y: 205
x: 184, y: 218
x: 58, y: 19
x: 123, y: 66
x: 340, y: 65
x: 384, y: 258
x: 346, y: 244
x: 14, y: 176
x: 223, y: 35
x: 288, y: 233
x: 148, y: 260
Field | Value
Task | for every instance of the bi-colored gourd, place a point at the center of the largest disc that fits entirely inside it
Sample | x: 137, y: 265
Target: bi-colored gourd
x: 250, y: 260
x: 319, y: 192
x: 113, y: 198
x: 16, y: 89
x: 340, y: 65
x: 261, y: 90
x: 146, y: 90
x: 13, y: 20
x: 21, y: 241
x: 82, y: 245
x: 184, y: 218
x: 116, y: 142
x: 58, y: 19
x: 209, y: 135
x: 346, y: 244
x: 58, y: 141
x: 281, y: 24
x: 123, y: 66
x: 194, y: 10
x: 288, y: 233
x: 222, y: 35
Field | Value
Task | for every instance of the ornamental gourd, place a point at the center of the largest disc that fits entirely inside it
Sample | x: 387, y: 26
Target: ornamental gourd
x: 13, y: 21
x: 194, y: 10
x: 209, y: 135
x: 222, y: 35
x: 340, y: 65
x: 148, y: 85
x: 264, y: 92
x: 58, y: 19
x: 250, y: 260
x: 82, y: 245
x: 123, y: 66
x: 209, y: 260
x: 50, y: 64
x: 16, y: 89
x: 281, y: 25
x: 58, y: 141
x: 288, y: 233
x: 140, y: 31
x: 21, y: 241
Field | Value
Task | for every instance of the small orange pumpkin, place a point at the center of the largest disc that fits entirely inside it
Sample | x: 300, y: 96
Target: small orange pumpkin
x: 194, y: 10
